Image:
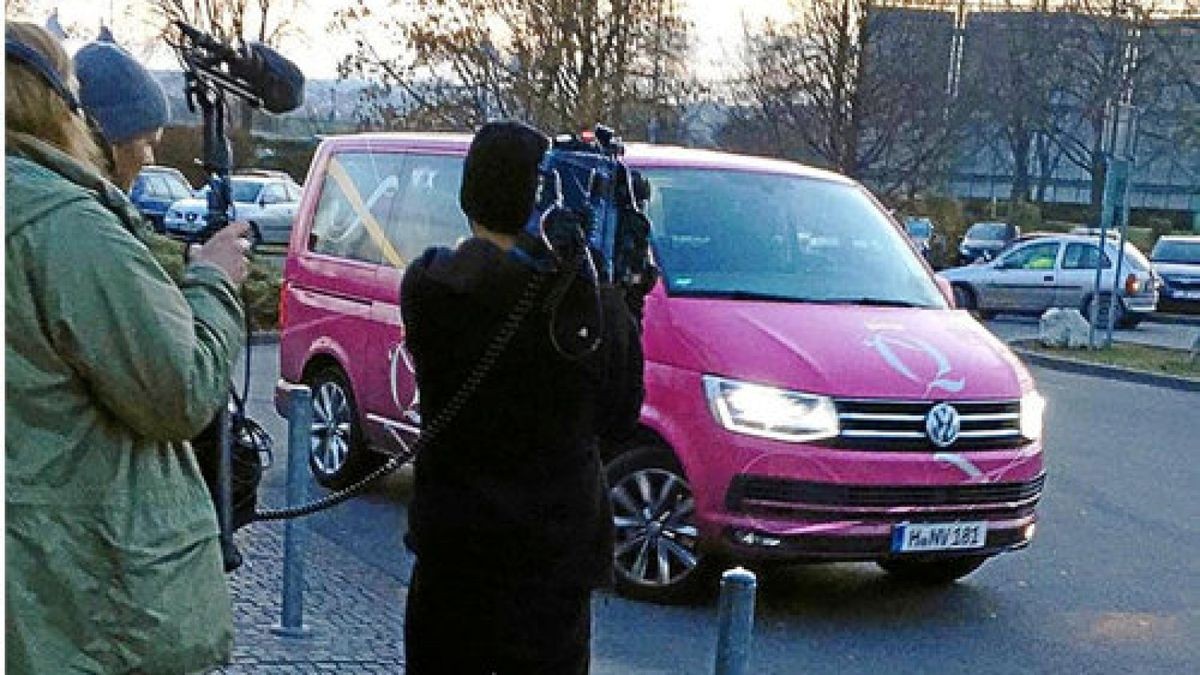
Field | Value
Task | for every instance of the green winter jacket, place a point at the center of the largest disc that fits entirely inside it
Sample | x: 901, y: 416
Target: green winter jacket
x: 111, y: 557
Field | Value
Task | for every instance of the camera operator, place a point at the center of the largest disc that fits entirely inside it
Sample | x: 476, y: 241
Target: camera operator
x: 112, y: 558
x: 510, y: 519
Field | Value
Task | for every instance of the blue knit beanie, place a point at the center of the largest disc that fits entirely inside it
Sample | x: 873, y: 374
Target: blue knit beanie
x: 121, y: 95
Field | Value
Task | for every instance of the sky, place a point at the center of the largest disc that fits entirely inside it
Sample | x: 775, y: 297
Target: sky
x: 717, y: 28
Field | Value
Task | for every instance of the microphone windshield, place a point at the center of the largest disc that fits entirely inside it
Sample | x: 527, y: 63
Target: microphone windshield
x: 274, y: 78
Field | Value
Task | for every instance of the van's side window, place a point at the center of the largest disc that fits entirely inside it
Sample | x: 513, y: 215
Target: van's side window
x: 387, y: 207
x: 428, y: 214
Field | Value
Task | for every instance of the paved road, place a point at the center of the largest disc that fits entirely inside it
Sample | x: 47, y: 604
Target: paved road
x: 1109, y: 585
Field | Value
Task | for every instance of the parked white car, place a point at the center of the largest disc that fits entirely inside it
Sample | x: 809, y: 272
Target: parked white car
x: 267, y: 200
x: 1057, y: 271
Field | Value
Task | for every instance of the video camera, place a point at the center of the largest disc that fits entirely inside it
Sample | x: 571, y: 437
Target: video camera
x: 587, y: 196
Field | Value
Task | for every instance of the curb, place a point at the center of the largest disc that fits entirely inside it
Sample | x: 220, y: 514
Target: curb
x: 264, y: 337
x: 1174, y: 319
x: 1110, y: 372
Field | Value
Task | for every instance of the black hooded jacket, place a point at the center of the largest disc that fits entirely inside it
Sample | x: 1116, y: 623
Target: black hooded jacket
x: 511, y: 492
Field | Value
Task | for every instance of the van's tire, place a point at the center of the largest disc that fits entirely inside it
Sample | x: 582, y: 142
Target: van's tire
x: 338, y: 454
x: 934, y: 572
x: 661, y: 517
x: 1102, y: 311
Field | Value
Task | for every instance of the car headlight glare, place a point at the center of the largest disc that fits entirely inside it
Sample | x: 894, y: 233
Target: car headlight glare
x: 769, y: 412
x: 1033, y: 409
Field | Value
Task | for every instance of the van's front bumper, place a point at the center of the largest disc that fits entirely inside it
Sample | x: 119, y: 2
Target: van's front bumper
x: 770, y: 518
x: 804, y: 503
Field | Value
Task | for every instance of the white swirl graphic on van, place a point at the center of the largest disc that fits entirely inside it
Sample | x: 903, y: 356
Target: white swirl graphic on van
x: 410, y: 411
x: 897, y: 352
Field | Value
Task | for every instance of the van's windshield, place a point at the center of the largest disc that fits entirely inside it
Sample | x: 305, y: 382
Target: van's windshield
x: 777, y: 237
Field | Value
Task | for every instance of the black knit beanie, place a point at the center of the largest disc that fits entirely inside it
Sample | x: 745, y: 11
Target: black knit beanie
x: 500, y: 175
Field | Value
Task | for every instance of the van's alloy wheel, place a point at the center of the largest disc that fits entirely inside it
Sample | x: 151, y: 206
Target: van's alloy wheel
x: 338, y: 455
x: 656, y: 555
x: 331, y: 427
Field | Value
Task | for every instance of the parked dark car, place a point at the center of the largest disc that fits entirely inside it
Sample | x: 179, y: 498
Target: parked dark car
x: 155, y: 189
x: 1176, y: 261
x: 984, y: 240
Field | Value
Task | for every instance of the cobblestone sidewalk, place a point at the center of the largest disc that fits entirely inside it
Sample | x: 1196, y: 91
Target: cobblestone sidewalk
x: 354, y: 610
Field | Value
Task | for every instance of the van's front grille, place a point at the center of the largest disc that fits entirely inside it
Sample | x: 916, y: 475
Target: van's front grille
x: 870, y: 424
x: 761, y: 488
x: 749, y: 494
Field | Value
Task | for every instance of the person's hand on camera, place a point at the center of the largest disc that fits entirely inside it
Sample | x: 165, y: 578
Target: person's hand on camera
x: 226, y: 250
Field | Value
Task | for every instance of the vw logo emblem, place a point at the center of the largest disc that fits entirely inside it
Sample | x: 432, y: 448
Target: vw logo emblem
x: 942, y: 425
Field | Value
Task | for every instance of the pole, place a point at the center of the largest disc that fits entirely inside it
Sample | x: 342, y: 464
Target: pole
x: 229, y: 552
x: 217, y: 160
x: 295, y: 533
x: 1106, y: 216
x: 735, y: 621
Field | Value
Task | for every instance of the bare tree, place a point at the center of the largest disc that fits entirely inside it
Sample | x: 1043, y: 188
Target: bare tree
x: 1110, y: 55
x: 1008, y: 64
x: 16, y: 8
x: 856, y: 86
x: 556, y: 63
x: 265, y: 21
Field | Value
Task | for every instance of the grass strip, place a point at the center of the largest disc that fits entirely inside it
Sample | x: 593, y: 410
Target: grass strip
x: 1160, y: 360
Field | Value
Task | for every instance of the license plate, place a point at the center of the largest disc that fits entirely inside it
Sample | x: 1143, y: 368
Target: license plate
x: 915, y: 537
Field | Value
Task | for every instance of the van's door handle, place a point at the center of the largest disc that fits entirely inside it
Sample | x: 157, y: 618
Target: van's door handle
x: 1048, y: 277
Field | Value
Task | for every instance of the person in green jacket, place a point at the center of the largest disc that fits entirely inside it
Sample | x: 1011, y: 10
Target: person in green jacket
x: 111, y: 557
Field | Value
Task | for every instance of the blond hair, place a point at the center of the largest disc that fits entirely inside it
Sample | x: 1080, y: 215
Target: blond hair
x: 32, y: 107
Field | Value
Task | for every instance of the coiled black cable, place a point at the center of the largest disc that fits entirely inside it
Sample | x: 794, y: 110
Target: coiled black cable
x: 487, y: 361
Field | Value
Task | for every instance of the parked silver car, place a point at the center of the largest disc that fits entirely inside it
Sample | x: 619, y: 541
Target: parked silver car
x: 265, y: 199
x: 1057, y: 271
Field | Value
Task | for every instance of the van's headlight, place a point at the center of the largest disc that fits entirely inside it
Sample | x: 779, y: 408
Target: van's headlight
x: 1033, y: 408
x: 780, y: 414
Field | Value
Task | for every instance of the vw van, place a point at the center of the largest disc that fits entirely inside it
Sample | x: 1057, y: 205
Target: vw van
x: 811, y: 393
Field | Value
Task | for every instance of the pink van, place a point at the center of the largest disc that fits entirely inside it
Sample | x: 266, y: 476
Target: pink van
x: 811, y: 393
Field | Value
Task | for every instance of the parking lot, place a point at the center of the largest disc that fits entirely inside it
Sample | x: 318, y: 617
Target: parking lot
x: 1085, y: 597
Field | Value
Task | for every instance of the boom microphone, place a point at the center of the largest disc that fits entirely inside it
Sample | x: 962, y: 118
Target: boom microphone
x: 255, y: 69
x: 277, y: 80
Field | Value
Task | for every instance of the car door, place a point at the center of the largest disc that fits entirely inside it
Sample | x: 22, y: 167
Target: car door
x: 1025, y: 279
x: 1077, y: 278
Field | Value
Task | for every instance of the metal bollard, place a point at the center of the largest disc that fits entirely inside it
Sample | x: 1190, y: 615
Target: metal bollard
x: 735, y: 621
x: 295, y: 533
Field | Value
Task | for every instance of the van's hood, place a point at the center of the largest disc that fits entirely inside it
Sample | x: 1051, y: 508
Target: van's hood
x: 837, y: 350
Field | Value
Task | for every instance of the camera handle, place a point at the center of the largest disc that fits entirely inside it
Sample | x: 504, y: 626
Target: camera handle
x: 217, y: 163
